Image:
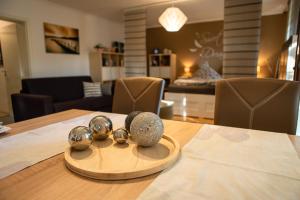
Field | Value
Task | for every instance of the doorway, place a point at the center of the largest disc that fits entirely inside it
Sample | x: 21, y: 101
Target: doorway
x: 14, y: 63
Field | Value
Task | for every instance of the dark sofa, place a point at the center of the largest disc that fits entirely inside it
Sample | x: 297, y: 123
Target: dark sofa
x: 42, y: 96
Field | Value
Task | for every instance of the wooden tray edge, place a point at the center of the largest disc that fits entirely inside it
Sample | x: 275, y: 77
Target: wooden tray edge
x: 132, y: 174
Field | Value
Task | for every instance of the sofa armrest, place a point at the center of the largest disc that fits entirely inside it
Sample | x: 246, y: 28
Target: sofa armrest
x: 27, y: 106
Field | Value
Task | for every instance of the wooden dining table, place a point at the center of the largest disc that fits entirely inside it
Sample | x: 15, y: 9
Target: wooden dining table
x: 50, y: 179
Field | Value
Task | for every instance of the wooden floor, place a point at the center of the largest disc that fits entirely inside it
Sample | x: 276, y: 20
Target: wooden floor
x: 2, y: 114
x: 193, y: 119
x: 5, y: 118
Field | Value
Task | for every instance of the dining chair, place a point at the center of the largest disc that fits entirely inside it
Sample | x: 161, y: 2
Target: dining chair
x: 137, y: 94
x: 262, y: 104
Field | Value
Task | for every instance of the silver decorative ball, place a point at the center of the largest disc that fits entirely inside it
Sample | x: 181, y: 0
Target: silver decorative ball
x: 101, y: 127
x: 129, y: 119
x: 120, y: 135
x: 80, y: 138
x: 146, y: 129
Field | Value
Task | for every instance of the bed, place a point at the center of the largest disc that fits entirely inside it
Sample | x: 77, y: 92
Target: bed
x: 194, y: 96
x: 194, y: 81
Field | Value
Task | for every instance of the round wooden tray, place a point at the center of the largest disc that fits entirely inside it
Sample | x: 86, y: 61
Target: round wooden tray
x: 107, y: 160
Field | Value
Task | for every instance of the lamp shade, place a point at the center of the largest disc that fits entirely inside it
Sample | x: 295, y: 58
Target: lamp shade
x: 172, y: 19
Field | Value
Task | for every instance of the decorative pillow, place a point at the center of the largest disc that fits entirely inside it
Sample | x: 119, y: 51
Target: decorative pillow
x: 206, y: 72
x: 92, y: 89
x: 106, y: 88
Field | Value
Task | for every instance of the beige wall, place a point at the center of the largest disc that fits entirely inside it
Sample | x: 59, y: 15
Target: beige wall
x: 209, y: 35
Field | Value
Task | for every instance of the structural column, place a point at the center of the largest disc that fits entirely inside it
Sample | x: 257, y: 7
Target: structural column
x: 242, y: 21
x: 135, y: 43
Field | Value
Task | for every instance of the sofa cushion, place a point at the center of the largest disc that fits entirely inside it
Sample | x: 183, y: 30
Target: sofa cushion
x: 103, y: 103
x: 107, y: 88
x: 60, y: 88
x: 92, y: 89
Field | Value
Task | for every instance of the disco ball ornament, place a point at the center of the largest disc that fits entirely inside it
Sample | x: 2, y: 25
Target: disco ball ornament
x: 146, y: 129
x: 129, y: 119
x: 80, y: 138
x: 120, y: 135
x: 101, y: 127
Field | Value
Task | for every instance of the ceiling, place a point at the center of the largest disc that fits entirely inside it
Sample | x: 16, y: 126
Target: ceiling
x: 196, y: 10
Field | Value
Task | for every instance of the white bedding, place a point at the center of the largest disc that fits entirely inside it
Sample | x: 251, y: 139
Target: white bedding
x: 194, y: 81
x: 205, y: 75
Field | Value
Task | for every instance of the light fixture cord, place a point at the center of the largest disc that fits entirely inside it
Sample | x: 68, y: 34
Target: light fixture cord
x: 173, y: 2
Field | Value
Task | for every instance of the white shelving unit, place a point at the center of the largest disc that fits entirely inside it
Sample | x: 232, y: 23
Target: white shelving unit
x: 162, y: 66
x: 106, y: 66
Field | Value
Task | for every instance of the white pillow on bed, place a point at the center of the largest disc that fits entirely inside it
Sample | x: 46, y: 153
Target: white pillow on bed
x: 194, y: 82
x: 205, y: 75
x: 206, y: 72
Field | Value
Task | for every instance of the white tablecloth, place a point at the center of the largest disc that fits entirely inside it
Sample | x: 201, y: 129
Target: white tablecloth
x: 231, y: 163
x: 28, y: 148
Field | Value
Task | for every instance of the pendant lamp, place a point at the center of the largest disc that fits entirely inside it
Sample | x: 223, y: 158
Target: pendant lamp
x: 172, y: 19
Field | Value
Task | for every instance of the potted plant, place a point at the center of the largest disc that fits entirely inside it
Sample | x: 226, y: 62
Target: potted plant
x: 99, y: 47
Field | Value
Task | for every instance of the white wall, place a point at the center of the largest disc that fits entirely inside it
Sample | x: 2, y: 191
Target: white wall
x: 92, y: 30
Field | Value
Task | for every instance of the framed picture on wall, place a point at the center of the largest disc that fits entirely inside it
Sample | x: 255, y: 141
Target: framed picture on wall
x: 1, y: 57
x: 61, y: 39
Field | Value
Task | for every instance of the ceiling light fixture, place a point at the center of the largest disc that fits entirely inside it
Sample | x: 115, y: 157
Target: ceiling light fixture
x: 172, y: 19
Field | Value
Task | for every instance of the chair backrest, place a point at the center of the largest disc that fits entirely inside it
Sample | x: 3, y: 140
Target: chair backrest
x: 262, y: 104
x: 137, y: 94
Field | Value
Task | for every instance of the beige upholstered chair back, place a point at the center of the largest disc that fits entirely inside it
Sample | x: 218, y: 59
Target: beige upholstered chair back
x: 138, y: 93
x: 262, y: 104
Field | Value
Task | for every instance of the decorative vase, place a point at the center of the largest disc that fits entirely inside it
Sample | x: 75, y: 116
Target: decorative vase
x: 100, y: 50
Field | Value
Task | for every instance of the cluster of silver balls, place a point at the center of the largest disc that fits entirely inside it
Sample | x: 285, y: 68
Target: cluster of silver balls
x: 81, y: 137
x: 145, y: 128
